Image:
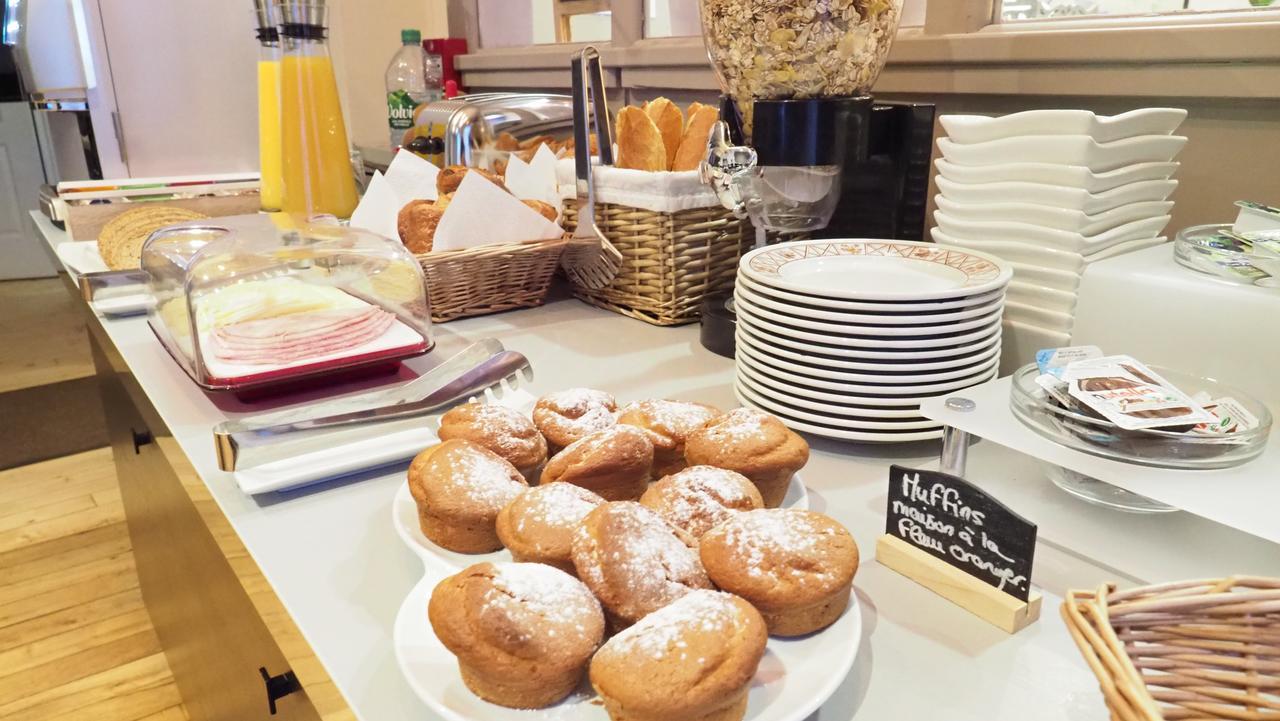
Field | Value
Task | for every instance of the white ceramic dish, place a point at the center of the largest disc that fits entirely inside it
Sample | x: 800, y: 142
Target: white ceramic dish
x: 1051, y: 258
x: 850, y: 399
x: 1039, y: 296
x: 818, y: 370
x: 840, y: 407
x: 1071, y: 176
x: 1039, y: 317
x: 816, y: 356
x: 795, y: 677
x: 744, y: 306
x: 893, y: 357
x: 1102, y: 128
x: 891, y: 391
x: 1074, y: 221
x: 1049, y: 237
x: 854, y: 423
x: 1058, y: 196
x: 404, y: 516
x: 1047, y: 277
x: 1067, y: 150
x: 862, y: 269
x: 929, y: 320
x: 943, y: 341
x: 1021, y: 341
x: 844, y: 434
x: 878, y: 307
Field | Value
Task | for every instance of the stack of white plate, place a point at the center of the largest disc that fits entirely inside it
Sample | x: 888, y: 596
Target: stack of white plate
x: 844, y: 338
x: 1052, y: 191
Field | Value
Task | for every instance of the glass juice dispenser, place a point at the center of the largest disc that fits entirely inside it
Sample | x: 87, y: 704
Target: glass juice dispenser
x: 318, y: 176
x: 269, y: 157
x: 802, y: 145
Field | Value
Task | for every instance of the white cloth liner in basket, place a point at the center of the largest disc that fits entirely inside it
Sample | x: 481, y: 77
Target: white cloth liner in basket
x: 660, y: 192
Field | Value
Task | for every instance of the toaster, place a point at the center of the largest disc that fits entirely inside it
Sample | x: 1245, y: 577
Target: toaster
x: 458, y: 130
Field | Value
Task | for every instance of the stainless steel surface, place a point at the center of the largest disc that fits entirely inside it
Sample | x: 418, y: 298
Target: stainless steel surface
x: 53, y: 105
x: 112, y: 283
x: 469, y: 122
x: 477, y: 371
x: 590, y: 260
x: 955, y: 451
x: 960, y: 403
x: 724, y: 166
x: 303, y: 12
x: 265, y: 12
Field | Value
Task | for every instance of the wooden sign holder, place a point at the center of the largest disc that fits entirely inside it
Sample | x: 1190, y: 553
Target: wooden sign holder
x: 982, y: 600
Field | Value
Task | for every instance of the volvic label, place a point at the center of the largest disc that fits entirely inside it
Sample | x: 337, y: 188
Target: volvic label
x: 400, y: 110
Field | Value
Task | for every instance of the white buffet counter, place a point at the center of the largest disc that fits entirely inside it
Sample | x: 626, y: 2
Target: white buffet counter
x: 333, y: 558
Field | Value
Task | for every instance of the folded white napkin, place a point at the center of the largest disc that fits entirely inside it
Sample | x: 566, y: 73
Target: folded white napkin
x: 481, y: 213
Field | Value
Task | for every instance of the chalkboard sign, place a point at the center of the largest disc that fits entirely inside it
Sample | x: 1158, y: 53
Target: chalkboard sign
x: 952, y: 520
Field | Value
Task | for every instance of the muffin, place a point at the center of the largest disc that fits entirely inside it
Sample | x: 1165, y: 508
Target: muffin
x: 615, y: 463
x: 753, y: 443
x: 523, y: 632
x: 460, y: 488
x: 700, y: 497
x: 633, y: 561
x: 538, y: 525
x: 796, y: 567
x: 565, y: 416
x: 668, y: 424
x: 692, y: 661
x: 499, y: 429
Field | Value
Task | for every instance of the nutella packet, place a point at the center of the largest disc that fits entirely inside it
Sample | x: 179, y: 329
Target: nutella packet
x: 1055, y: 388
x: 1054, y: 360
x: 1229, y: 417
x: 1131, y: 395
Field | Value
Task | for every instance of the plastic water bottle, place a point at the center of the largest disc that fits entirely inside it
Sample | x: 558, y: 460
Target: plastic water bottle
x: 408, y: 86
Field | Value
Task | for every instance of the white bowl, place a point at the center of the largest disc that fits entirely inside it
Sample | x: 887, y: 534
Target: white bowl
x: 1039, y: 296
x: 1049, y: 237
x: 1038, y: 317
x: 870, y: 269
x: 1042, y: 257
x: 1066, y: 150
x: 1102, y: 128
x: 1058, y: 196
x: 1062, y: 280
x: 1071, y: 176
x: 819, y: 357
x: 906, y: 306
x: 1022, y: 340
x: 864, y: 354
x: 1046, y: 216
x: 763, y: 300
x: 765, y: 368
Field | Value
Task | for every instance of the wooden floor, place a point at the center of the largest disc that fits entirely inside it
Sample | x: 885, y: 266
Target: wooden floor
x: 75, y: 639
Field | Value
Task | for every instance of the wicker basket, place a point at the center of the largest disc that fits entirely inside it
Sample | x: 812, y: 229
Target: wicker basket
x: 1205, y: 649
x: 489, y: 279
x: 670, y: 261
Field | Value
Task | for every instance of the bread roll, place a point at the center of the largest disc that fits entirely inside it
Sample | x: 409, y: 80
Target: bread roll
x: 640, y: 145
x: 693, y: 146
x: 451, y: 177
x: 417, y: 224
x: 670, y: 122
x: 506, y: 141
x: 547, y: 210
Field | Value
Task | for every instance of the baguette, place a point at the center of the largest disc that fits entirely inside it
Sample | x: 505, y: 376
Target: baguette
x: 640, y: 145
x: 670, y: 122
x: 693, y: 147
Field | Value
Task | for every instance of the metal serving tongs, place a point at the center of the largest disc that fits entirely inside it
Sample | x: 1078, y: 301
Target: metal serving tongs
x: 484, y: 369
x: 590, y: 260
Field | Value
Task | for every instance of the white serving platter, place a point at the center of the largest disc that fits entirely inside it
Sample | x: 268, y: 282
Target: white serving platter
x: 1049, y: 237
x: 1061, y: 280
x: 1038, y: 317
x: 81, y: 256
x: 1074, y: 221
x: 1052, y: 258
x: 1039, y: 296
x: 1066, y: 149
x: 863, y: 269
x: 764, y: 368
x: 892, y: 357
x: 748, y: 346
x: 404, y: 516
x: 795, y: 677
x: 968, y: 129
x: 761, y: 299
x: 1072, y: 176
x: 1058, y: 196
x: 745, y: 306
x: 877, y: 307
x: 816, y: 356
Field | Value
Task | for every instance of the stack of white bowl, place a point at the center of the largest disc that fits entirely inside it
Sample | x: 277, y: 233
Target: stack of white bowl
x: 1052, y: 191
x: 844, y: 338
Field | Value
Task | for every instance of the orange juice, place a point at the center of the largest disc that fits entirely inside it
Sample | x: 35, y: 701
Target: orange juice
x: 269, y: 134
x: 318, y: 177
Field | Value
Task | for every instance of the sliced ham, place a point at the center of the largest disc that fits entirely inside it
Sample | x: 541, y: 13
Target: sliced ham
x: 298, y: 336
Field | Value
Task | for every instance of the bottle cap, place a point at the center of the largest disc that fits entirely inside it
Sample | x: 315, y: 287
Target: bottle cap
x: 409, y: 36
x: 450, y: 88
